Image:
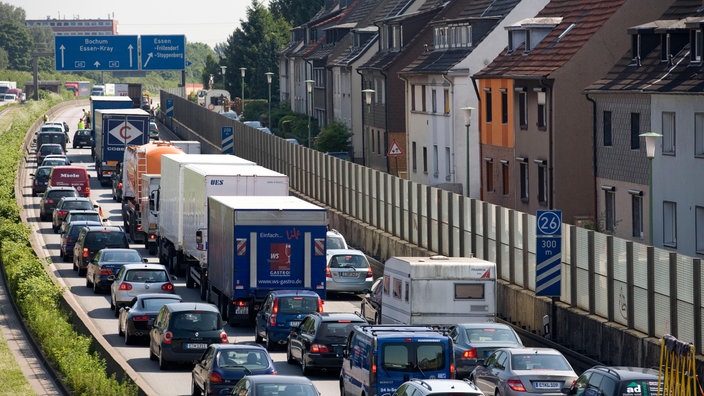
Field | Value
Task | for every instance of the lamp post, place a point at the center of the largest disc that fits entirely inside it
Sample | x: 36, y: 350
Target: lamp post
x: 223, y: 69
x: 243, y: 71
x: 368, y: 100
x: 309, y: 89
x: 650, y: 139
x: 467, y: 121
x: 269, y: 76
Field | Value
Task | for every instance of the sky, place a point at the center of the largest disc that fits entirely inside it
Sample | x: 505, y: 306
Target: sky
x: 205, y: 21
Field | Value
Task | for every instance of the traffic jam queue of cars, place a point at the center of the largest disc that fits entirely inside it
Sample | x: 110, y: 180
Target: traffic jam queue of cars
x: 399, y: 344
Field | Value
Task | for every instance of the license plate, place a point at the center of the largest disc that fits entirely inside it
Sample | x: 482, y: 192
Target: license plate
x: 196, y: 346
x: 241, y: 310
x: 348, y: 274
x: 294, y: 324
x: 546, y: 385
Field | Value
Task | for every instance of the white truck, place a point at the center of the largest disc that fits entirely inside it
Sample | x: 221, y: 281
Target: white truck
x: 171, y: 198
x: 204, y: 180
x: 438, y: 290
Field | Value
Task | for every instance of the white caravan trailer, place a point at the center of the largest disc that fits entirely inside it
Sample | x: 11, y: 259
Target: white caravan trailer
x: 438, y: 290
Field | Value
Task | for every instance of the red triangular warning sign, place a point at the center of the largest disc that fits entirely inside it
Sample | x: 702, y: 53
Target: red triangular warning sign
x: 394, y: 150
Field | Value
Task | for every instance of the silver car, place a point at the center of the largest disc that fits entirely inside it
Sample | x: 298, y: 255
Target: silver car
x: 135, y: 279
x: 524, y: 372
x: 348, y: 270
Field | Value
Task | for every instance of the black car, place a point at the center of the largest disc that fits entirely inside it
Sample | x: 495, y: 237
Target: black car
x: 69, y: 236
x: 51, y: 198
x: 318, y: 342
x: 82, y: 138
x: 371, y: 303
x: 49, y: 149
x: 183, y: 331
x: 67, y: 204
x: 222, y: 365
x: 474, y: 342
x: 40, y: 179
x: 615, y: 381
x: 93, y: 238
x: 137, y: 317
x: 105, y: 264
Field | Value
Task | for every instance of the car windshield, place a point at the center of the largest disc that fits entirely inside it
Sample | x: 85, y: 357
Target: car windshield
x: 243, y: 357
x: 349, y: 261
x: 491, y: 335
x: 289, y: 305
x: 196, y: 321
x: 539, y: 362
x: 121, y: 256
x: 286, y: 389
x: 146, y: 275
x: 155, y: 304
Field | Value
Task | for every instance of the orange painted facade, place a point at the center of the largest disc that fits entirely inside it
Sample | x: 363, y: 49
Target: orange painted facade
x: 496, y: 132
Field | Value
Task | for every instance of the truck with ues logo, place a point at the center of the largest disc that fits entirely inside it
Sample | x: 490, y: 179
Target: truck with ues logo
x: 257, y: 244
x: 115, y: 129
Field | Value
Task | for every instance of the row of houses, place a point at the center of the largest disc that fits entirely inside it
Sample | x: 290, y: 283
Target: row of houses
x: 528, y: 104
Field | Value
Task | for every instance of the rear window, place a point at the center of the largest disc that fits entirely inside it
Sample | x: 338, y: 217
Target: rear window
x: 155, y: 304
x: 196, y: 321
x: 336, y: 329
x: 490, y: 335
x: 62, y: 193
x: 335, y: 243
x: 349, y: 261
x: 42, y: 172
x: 77, y: 205
x: 146, y: 275
x: 121, y: 256
x: 88, y: 217
x: 285, y: 389
x: 289, y: 305
x: 106, y: 238
x: 410, y: 356
x: 539, y: 361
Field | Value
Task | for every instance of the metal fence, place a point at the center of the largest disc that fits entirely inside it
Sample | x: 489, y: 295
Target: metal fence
x: 651, y: 290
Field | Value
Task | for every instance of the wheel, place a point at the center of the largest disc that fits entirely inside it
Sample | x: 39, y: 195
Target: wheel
x: 304, y: 366
x: 163, y: 364
x: 112, y: 303
x: 289, y: 357
x: 190, y: 282
x: 117, y: 311
x: 257, y: 338
x: 82, y: 271
x: 88, y: 282
x: 119, y: 329
x: 152, y: 356
x: 268, y: 344
x: 75, y: 266
x: 55, y: 228
x: 96, y: 289
x: 195, y: 390
x: 128, y: 339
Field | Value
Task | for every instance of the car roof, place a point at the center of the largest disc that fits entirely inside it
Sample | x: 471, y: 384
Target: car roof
x: 104, y: 228
x: 532, y: 350
x: 83, y: 223
x: 75, y: 199
x: 121, y: 250
x: 83, y: 211
x: 192, y: 306
x: 151, y: 266
x: 61, y: 188
x: 398, y: 331
x: 334, y: 316
x: 145, y: 296
x: 293, y: 293
x: 279, y: 379
x: 628, y: 373
x: 332, y: 252
x: 242, y: 345
x: 446, y: 385
x: 487, y: 325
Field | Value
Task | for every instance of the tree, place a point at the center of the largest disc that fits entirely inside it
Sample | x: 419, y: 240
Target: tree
x: 334, y: 137
x: 15, y: 39
x: 295, y: 12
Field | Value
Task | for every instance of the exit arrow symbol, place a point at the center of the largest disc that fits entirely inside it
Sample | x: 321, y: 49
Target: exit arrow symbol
x: 148, y: 57
x: 62, y: 48
x: 129, y: 47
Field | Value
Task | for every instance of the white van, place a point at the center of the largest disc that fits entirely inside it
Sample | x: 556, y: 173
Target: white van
x: 438, y: 290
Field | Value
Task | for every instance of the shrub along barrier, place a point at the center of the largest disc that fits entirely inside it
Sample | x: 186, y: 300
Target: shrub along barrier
x: 38, y: 298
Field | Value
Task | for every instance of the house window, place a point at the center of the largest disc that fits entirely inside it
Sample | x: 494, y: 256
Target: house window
x: 607, y: 129
x: 542, y: 182
x: 699, y: 134
x: 413, y: 97
x: 372, y: 140
x: 448, y: 164
x: 489, y: 166
x: 435, y: 160
x: 414, y: 157
x: 378, y: 142
x: 504, y: 106
x: 696, y: 46
x: 668, y: 133
x: 487, y: 101
x: 425, y: 160
x: 609, y: 208
x: 505, y: 178
x: 522, y: 110
x: 635, y: 131
x: 542, y: 121
x: 636, y: 213
x: 523, y: 165
x: 422, y: 98
x: 434, y: 100
x: 446, y: 99
x: 669, y: 224
x: 699, y: 225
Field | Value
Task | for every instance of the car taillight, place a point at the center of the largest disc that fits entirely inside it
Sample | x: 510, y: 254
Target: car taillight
x: 516, y: 384
x: 372, y: 373
x: 215, y: 377
x: 168, y: 287
x: 275, y: 308
x: 167, y: 337
x: 223, y: 338
x: 319, y: 348
x: 85, y: 252
x: 61, y: 213
x: 49, y: 201
x: 140, y: 318
x: 370, y: 274
x: 320, y: 305
x: 452, y: 371
x: 125, y: 286
x: 327, y: 272
x: 105, y: 272
x: 470, y: 354
x: 86, y: 192
x: 119, y: 185
x: 272, y: 320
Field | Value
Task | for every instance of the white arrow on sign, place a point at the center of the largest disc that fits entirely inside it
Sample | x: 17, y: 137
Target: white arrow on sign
x: 129, y: 47
x: 148, y: 57
x: 62, y: 48
x: 96, y: 64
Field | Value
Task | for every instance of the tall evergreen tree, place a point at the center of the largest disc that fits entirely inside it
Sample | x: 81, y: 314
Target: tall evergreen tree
x: 295, y: 12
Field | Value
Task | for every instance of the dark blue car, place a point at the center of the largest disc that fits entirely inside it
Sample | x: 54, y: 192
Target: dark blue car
x: 222, y: 365
x: 281, y: 311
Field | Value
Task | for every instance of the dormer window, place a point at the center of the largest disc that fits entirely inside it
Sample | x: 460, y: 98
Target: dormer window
x: 696, y: 45
x: 636, y: 48
x: 665, y: 45
x: 453, y: 36
x: 441, y: 37
x: 528, y: 44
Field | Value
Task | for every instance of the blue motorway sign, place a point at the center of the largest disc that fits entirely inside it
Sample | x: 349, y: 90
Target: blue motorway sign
x: 228, y: 140
x: 85, y: 53
x: 163, y: 52
x: 548, y: 253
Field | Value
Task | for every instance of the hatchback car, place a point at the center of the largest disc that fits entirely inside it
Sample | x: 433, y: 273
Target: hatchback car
x: 135, y: 279
x: 73, y: 215
x: 136, y: 318
x: 222, y: 365
x: 371, y: 302
x: 40, y: 178
x: 69, y: 236
x: 153, y: 130
x: 439, y: 387
x: 51, y: 198
x: 318, y: 342
x: 474, y: 342
x: 105, y: 264
x: 268, y: 385
x: 335, y: 240
x: 82, y: 138
x: 615, y: 381
x: 48, y: 149
x: 93, y: 238
x: 67, y: 204
x: 524, y: 371
x: 282, y: 310
x: 348, y: 270
x: 182, y: 332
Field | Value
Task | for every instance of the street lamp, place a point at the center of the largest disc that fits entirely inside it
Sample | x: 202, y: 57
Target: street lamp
x: 223, y: 68
x: 269, y: 76
x: 650, y: 139
x: 243, y: 70
x: 467, y: 121
x: 309, y: 107
x: 368, y: 100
